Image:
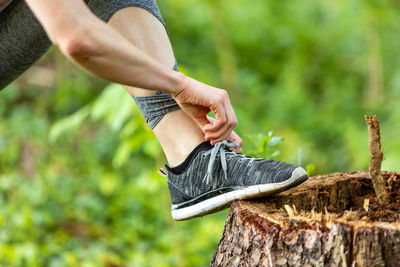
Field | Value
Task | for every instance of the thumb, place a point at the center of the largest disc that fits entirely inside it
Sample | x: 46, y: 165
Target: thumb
x: 202, y: 121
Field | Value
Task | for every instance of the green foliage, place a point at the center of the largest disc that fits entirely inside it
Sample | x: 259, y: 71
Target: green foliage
x: 263, y: 146
x: 125, y: 121
x: 89, y: 203
x: 78, y: 185
x: 310, y: 168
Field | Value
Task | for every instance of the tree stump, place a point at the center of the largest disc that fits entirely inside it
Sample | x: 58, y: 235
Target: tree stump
x: 330, y: 220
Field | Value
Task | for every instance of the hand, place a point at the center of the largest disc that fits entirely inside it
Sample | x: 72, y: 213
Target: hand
x: 197, y: 99
x: 234, y: 137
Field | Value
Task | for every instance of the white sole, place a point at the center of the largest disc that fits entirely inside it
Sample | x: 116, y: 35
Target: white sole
x: 221, y: 201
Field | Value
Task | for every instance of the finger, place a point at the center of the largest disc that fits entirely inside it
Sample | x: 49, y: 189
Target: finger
x: 231, y: 121
x: 231, y: 117
x: 220, y: 122
x: 203, y: 121
x: 224, y: 130
x: 217, y: 136
x: 218, y: 107
x: 199, y: 116
x: 236, y: 138
x: 237, y: 150
x: 222, y: 134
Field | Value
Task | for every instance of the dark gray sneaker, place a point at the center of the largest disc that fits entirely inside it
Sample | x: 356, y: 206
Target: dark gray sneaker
x: 215, y: 177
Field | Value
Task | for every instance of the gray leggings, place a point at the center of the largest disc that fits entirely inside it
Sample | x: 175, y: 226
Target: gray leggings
x: 23, y: 41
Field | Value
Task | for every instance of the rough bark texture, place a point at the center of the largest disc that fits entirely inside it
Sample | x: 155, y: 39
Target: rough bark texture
x: 262, y: 233
x: 376, y: 155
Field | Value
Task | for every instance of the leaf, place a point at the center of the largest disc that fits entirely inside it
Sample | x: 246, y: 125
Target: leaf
x: 310, y: 169
x: 114, y: 105
x: 109, y: 183
x: 69, y: 123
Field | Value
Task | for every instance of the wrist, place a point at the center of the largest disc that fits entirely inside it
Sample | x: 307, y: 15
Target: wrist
x: 179, y: 82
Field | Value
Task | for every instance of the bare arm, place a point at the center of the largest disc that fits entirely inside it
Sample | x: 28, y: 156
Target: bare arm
x: 102, y: 51
x: 99, y: 49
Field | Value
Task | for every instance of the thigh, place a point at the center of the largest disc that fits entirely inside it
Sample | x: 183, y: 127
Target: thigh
x: 141, y: 23
x: 22, y: 41
x: 105, y: 9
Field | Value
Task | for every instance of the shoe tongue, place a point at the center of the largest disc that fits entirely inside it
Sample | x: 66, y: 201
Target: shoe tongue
x: 183, y: 166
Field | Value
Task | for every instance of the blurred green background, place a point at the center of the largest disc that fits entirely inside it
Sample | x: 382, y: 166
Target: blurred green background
x: 78, y: 181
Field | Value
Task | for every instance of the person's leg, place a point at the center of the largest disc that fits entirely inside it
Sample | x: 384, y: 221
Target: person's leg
x: 210, y: 177
x: 177, y: 133
x: 22, y: 41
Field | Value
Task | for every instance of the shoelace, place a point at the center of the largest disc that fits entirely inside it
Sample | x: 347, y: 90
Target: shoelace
x: 221, y: 148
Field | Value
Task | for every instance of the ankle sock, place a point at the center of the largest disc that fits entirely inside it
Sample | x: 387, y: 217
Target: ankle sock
x: 182, y: 167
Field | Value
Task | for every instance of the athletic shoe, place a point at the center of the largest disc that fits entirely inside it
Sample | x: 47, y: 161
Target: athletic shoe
x: 213, y: 177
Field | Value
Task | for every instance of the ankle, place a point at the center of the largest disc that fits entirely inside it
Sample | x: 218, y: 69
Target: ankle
x: 178, y: 135
x: 184, y: 165
x: 179, y: 153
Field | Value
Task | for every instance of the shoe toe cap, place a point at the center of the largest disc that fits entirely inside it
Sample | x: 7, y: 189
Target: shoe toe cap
x: 298, y: 172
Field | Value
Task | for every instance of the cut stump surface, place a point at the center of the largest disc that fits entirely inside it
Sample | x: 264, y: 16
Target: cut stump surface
x: 330, y: 220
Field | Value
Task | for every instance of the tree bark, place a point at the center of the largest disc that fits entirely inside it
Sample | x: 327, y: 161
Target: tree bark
x: 330, y: 220
x: 376, y: 155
